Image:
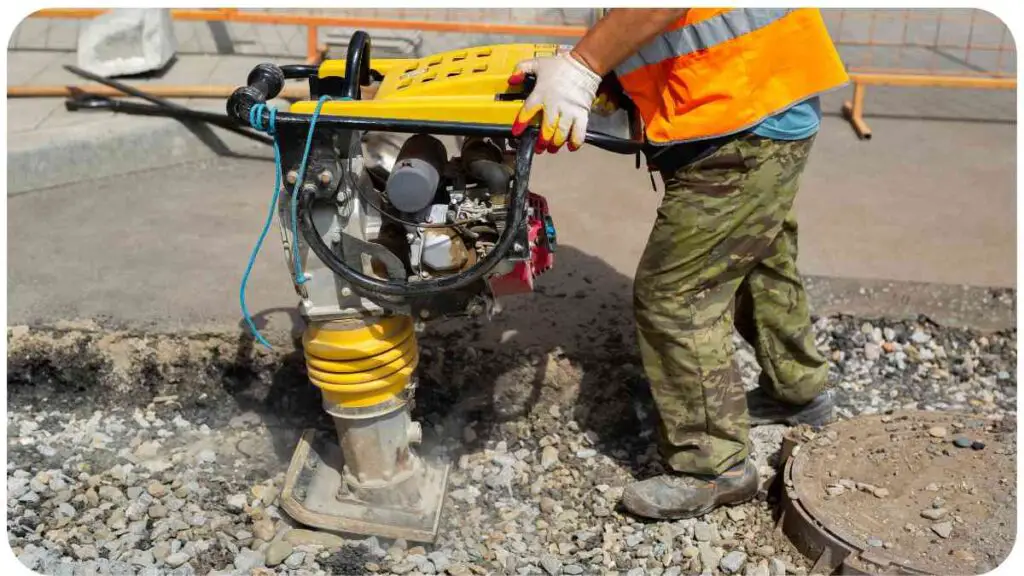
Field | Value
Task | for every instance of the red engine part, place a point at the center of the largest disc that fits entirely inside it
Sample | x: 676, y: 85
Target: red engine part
x: 542, y: 257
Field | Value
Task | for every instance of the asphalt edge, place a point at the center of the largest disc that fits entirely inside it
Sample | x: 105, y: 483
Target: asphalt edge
x: 980, y: 309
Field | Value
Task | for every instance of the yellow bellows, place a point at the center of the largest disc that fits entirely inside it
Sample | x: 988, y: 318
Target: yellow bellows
x: 358, y: 365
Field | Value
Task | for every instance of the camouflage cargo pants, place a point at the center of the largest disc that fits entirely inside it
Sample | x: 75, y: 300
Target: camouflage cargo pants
x: 722, y: 254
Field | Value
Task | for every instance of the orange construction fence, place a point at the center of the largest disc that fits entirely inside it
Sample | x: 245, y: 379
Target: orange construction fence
x: 314, y: 22
x: 946, y: 48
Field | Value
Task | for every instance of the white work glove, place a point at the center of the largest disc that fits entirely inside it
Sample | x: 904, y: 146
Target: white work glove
x: 563, y: 95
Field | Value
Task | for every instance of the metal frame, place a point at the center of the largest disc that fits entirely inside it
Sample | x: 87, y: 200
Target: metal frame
x: 865, y: 71
x: 853, y: 109
x: 163, y: 90
x: 603, y: 141
x: 314, y: 23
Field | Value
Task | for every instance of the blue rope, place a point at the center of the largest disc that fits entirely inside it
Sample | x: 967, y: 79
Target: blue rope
x: 256, y: 121
x: 299, y: 275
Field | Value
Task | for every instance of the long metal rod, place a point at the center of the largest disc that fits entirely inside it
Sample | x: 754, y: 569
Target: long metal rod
x: 123, y: 107
x: 314, y: 23
x: 126, y: 88
x: 237, y: 128
x: 159, y: 90
x: 974, y: 75
x: 853, y: 110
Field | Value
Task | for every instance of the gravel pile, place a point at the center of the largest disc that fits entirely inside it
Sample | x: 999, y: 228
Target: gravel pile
x: 879, y: 366
x: 144, y: 454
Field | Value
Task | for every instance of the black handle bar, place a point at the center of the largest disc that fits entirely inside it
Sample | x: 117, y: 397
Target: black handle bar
x: 266, y: 80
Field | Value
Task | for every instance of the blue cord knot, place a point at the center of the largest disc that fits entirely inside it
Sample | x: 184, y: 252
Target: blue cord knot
x: 256, y: 121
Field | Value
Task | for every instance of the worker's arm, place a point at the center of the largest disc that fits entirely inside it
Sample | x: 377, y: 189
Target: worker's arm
x: 567, y: 83
x: 621, y: 33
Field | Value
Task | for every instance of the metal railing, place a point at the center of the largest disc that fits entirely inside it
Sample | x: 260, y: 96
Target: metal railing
x: 945, y: 48
x: 512, y: 22
x: 942, y: 48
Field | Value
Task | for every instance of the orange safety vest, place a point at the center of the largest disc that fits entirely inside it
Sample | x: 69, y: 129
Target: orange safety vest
x: 719, y: 71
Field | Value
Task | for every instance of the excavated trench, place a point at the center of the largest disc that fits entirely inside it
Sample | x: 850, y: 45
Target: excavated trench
x: 541, y: 441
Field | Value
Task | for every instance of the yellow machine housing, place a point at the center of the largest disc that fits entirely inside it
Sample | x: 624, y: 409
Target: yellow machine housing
x: 362, y: 354
x: 464, y: 86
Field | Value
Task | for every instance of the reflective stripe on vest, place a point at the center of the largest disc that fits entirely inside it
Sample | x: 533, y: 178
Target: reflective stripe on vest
x: 719, y: 71
x: 702, y: 35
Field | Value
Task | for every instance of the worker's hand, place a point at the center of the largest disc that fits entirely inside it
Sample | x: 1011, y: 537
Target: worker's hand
x: 608, y: 100
x: 563, y: 95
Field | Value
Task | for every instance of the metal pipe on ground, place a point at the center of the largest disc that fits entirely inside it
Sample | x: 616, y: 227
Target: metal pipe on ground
x: 92, y: 102
x: 297, y: 92
x: 170, y: 107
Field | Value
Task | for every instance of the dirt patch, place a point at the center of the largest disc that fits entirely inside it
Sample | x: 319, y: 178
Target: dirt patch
x: 210, y: 375
x: 933, y: 490
x: 351, y: 559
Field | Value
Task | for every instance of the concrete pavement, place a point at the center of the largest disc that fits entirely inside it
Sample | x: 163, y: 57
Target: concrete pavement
x: 160, y: 237
x: 165, y: 248
x: 48, y: 145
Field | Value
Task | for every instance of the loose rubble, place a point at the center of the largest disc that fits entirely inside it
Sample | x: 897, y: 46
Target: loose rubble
x: 157, y: 455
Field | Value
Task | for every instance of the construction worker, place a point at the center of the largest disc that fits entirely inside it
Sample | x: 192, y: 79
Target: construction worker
x: 729, y: 100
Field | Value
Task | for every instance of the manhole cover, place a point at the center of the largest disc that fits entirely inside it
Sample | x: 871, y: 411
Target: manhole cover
x: 912, y: 492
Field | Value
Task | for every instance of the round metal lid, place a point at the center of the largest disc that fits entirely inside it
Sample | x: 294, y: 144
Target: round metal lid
x: 910, y: 492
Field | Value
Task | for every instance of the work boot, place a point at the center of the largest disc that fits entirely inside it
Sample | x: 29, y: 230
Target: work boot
x: 678, y: 496
x: 764, y: 410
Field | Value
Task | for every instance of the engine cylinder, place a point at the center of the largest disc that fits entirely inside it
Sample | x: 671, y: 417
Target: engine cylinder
x: 413, y: 182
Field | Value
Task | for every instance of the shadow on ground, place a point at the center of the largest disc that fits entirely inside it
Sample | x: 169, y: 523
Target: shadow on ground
x: 569, y: 345
x: 556, y: 362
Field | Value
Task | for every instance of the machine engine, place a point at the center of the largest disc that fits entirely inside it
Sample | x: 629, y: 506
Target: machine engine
x: 404, y: 208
